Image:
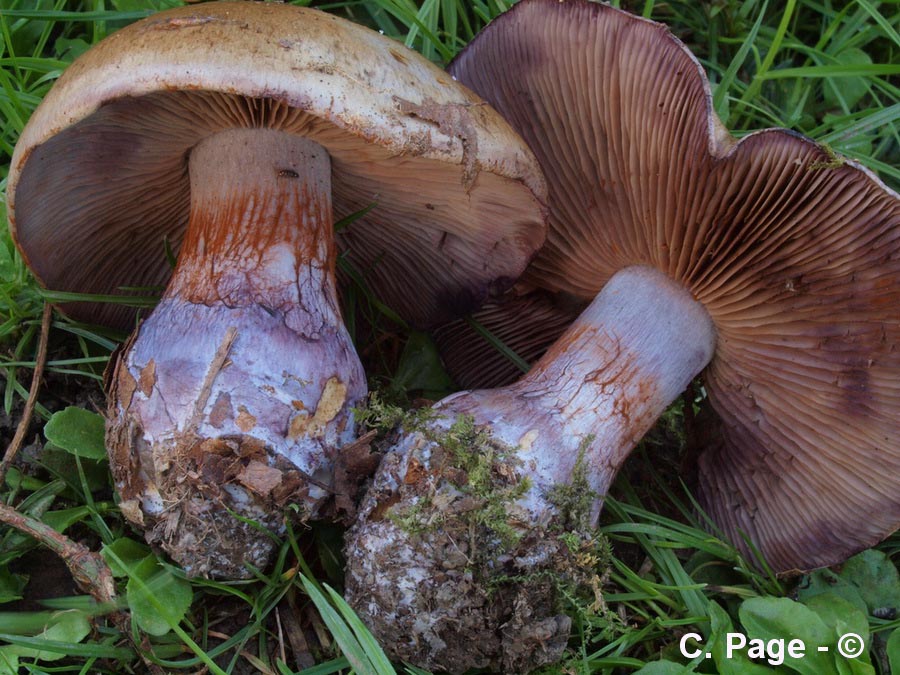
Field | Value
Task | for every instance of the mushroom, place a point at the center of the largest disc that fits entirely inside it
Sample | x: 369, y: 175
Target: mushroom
x: 767, y: 265
x: 233, y: 131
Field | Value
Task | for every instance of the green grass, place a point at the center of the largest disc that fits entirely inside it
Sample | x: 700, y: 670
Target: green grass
x: 828, y: 70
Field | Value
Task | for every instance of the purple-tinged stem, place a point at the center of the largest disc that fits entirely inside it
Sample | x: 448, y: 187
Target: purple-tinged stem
x: 237, y: 391
x: 429, y: 590
x: 602, y: 385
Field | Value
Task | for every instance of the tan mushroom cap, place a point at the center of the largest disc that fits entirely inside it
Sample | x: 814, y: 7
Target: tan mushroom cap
x: 794, y: 253
x: 99, y: 176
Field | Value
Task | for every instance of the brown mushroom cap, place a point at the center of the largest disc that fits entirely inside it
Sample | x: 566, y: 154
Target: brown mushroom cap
x: 99, y: 177
x: 794, y: 253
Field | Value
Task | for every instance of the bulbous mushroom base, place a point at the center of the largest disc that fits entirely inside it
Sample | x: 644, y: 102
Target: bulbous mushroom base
x: 234, y: 396
x: 466, y: 532
x: 451, y: 572
x: 245, y: 422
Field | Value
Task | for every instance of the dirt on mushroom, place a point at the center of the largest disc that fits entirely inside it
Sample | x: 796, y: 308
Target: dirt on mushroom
x: 506, y: 591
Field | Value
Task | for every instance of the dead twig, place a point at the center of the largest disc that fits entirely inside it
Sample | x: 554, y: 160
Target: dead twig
x: 39, y: 363
x: 89, y: 570
x: 302, y: 653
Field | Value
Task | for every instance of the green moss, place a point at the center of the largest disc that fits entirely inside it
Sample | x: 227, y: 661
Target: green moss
x: 575, y: 500
x: 834, y: 161
x: 472, y: 461
x: 487, y: 471
x: 385, y: 417
x: 413, y: 518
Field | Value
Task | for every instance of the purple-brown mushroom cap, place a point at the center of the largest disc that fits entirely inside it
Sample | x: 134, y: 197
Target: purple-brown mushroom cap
x: 794, y: 253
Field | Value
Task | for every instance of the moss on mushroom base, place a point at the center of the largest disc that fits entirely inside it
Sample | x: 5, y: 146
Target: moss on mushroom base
x: 449, y: 568
x: 572, y: 420
x: 236, y: 393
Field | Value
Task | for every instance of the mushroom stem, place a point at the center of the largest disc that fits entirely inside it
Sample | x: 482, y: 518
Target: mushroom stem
x: 237, y: 391
x: 260, y: 228
x: 416, y: 572
x: 602, y: 385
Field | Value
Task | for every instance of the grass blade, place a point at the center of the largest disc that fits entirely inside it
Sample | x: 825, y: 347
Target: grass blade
x: 343, y: 634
